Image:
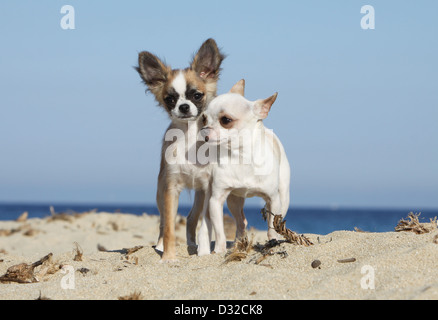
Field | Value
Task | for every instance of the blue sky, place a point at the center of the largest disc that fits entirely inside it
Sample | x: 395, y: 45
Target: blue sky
x: 357, y: 109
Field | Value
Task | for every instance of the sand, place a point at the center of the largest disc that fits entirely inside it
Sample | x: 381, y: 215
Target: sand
x: 393, y: 265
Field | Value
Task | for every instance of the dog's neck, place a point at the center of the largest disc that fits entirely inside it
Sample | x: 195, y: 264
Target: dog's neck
x: 182, y: 137
x: 253, y: 135
x: 253, y: 141
x: 185, y: 126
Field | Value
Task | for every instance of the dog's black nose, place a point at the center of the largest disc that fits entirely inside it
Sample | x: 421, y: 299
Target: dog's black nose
x: 207, y: 139
x: 184, y: 108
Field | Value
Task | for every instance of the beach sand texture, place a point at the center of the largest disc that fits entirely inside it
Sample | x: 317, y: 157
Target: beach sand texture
x: 400, y: 265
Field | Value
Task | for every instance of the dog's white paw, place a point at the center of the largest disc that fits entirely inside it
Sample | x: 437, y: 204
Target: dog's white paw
x: 273, y: 235
x: 202, y: 254
x: 220, y: 249
x: 203, y: 251
x: 203, y: 244
x: 159, y: 247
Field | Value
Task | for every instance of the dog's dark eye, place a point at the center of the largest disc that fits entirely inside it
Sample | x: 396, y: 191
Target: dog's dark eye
x: 225, y: 121
x: 198, y: 96
x: 169, y: 100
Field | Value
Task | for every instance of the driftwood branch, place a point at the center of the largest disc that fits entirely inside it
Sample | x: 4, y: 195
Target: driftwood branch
x: 23, y: 272
x: 289, y: 235
x: 414, y: 225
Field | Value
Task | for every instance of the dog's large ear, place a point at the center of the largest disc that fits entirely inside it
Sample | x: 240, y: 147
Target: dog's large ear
x: 239, y: 88
x: 152, y: 70
x: 262, y: 107
x: 207, y: 61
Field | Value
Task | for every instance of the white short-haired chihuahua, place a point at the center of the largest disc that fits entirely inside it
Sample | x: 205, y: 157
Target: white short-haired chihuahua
x: 251, y: 162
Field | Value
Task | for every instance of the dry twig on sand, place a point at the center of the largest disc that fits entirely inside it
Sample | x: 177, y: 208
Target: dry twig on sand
x: 243, y: 246
x: 130, y: 251
x: 78, y: 252
x: 23, y: 273
x: 280, y: 228
x: 267, y: 250
x: 22, y: 217
x: 414, y: 225
x: 240, y: 250
x: 41, y: 297
x: 64, y: 216
x: 133, y: 296
x: 289, y: 235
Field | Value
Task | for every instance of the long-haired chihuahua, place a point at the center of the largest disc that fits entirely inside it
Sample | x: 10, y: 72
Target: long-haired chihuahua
x: 184, y: 94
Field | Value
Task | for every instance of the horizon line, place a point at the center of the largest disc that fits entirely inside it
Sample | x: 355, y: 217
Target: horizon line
x: 140, y: 204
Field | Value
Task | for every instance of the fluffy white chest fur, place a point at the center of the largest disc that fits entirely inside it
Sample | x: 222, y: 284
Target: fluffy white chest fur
x: 180, y: 151
x: 254, y: 172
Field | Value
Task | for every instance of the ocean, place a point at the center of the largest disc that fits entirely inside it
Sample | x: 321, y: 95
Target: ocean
x: 299, y: 219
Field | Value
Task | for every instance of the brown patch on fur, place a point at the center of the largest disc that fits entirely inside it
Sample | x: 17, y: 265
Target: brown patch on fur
x: 160, y: 94
x: 153, y: 72
x: 204, y: 121
x: 169, y: 239
x: 193, y: 79
x: 194, y: 82
x: 204, y: 71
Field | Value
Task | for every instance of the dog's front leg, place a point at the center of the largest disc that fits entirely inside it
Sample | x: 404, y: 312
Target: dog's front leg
x: 160, y: 205
x: 193, y: 218
x: 204, y: 236
x: 215, y: 208
x: 235, y: 205
x: 170, y: 197
x: 274, y: 206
